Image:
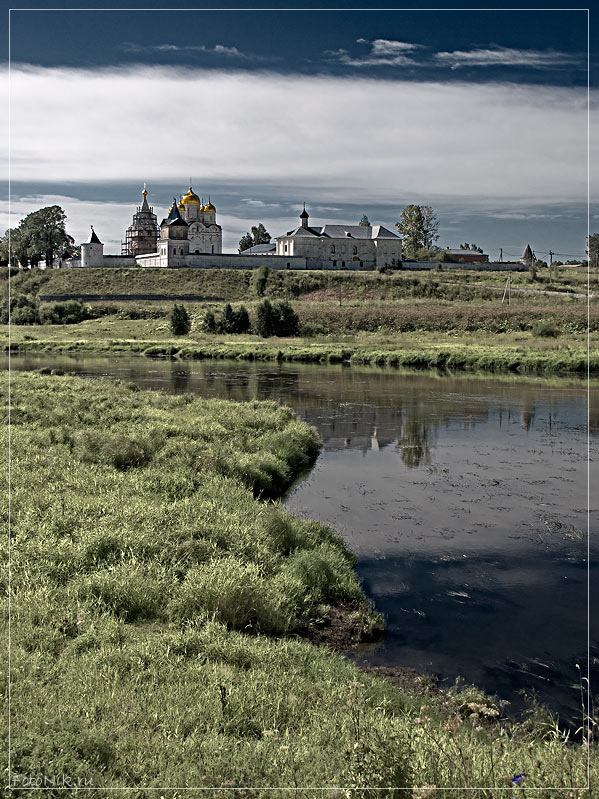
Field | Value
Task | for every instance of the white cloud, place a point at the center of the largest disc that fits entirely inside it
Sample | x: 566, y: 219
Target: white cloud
x: 259, y: 203
x: 329, y: 140
x: 523, y: 216
x: 323, y: 208
x: 384, y: 52
x: 506, y: 56
x: 218, y: 49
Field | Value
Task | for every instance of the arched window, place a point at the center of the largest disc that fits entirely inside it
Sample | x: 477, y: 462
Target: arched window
x: 213, y: 248
x: 332, y: 248
x: 355, y: 250
x: 197, y: 252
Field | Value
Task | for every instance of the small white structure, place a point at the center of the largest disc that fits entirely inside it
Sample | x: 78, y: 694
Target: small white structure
x: 341, y: 246
x: 92, y: 251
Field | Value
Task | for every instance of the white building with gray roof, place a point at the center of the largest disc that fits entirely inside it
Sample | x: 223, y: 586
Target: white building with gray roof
x: 341, y: 246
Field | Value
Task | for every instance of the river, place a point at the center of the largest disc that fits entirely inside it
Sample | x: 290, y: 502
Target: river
x: 465, y: 499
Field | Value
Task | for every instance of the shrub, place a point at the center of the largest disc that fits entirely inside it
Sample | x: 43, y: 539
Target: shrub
x: 208, y: 324
x: 25, y: 315
x: 70, y: 312
x: 180, y: 321
x: 532, y: 272
x: 243, y: 320
x: 260, y: 280
x: 286, y: 320
x: 264, y: 324
x: 233, y: 321
x: 276, y: 320
x: 21, y: 310
x: 545, y: 330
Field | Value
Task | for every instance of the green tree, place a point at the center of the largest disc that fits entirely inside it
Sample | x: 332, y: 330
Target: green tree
x: 180, y: 321
x: 44, y: 234
x: 430, y: 227
x: 22, y: 309
x: 276, y: 320
x: 13, y: 247
x: 411, y: 228
x: 286, y: 320
x: 264, y: 324
x: 209, y: 323
x: 242, y: 321
x: 245, y: 242
x: 227, y: 321
x: 259, y: 235
x: 364, y: 221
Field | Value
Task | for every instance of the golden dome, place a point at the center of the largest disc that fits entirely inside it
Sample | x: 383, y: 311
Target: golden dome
x: 181, y: 207
x: 190, y: 198
x: 209, y: 207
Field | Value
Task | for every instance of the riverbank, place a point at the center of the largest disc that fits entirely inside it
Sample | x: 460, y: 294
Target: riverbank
x: 446, y: 320
x: 472, y: 351
x: 146, y: 563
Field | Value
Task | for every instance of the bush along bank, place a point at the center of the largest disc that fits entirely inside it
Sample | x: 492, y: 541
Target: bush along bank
x: 493, y: 359
x: 154, y: 604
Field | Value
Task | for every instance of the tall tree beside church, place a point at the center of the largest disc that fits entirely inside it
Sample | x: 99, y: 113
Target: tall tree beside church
x: 13, y: 247
x: 364, y: 221
x: 430, y: 227
x: 245, y: 242
x: 411, y: 228
x: 259, y: 235
x: 418, y: 227
x: 40, y: 235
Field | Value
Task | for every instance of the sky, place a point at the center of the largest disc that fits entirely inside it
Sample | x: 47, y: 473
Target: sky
x: 481, y: 114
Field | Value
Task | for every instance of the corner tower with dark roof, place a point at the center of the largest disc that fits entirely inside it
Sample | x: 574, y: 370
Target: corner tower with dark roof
x: 92, y: 250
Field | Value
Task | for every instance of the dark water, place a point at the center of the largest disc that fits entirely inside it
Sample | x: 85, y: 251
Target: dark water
x: 464, y: 498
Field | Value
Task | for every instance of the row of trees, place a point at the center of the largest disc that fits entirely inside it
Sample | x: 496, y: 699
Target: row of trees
x: 40, y: 236
x: 272, y: 319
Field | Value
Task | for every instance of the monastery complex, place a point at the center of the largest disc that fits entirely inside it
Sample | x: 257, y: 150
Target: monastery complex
x: 189, y: 236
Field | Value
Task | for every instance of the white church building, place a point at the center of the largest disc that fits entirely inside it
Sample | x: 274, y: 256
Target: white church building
x: 341, y: 246
x: 189, y: 236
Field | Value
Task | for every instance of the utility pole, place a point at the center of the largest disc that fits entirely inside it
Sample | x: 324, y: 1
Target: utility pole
x: 507, y: 291
x: 550, y: 263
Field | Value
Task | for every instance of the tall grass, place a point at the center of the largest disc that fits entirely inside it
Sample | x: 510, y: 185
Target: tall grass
x: 156, y: 607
